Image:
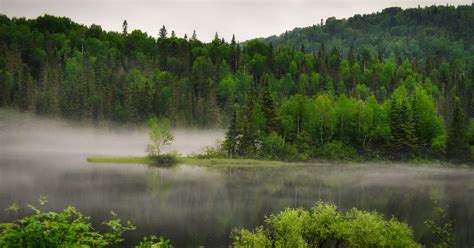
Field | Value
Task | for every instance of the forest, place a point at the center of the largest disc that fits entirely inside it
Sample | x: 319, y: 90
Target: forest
x: 397, y: 84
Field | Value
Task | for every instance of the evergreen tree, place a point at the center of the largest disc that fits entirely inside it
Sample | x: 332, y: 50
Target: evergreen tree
x: 234, y: 55
x: 351, y: 56
x: 268, y: 108
x: 163, y: 32
x: 231, y: 143
x: 124, y: 28
x: 457, y: 148
x: 270, y: 58
x: 249, y: 135
x: 404, y: 140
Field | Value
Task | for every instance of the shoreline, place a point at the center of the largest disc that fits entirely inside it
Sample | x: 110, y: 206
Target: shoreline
x: 249, y: 162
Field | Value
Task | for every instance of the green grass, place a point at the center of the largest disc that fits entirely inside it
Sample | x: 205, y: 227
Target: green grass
x: 119, y: 160
x: 214, y: 162
x: 245, y: 162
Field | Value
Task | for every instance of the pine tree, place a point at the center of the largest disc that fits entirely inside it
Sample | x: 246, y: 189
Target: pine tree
x: 194, y: 36
x: 124, y: 28
x: 163, y: 32
x: 231, y: 143
x: 457, y: 148
x: 234, y: 63
x: 402, y: 128
x: 351, y: 56
x: 321, y: 59
x: 173, y: 34
x: 268, y: 108
x: 248, y: 138
x: 270, y: 58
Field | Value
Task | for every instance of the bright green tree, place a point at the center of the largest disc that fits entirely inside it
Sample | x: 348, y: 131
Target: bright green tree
x: 160, y: 135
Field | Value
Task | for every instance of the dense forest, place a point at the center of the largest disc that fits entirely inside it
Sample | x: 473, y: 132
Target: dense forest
x: 396, y: 84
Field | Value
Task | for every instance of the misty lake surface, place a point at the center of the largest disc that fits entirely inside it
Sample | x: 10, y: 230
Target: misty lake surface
x: 199, y: 206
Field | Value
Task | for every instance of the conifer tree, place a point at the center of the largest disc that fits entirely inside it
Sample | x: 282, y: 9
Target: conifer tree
x: 351, y: 56
x: 457, y: 148
x: 248, y: 139
x: 268, y: 108
x: 270, y: 58
x: 231, y: 143
x: 124, y: 28
x: 233, y: 58
x: 163, y: 32
x: 402, y: 128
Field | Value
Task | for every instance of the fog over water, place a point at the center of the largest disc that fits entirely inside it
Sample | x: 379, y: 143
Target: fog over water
x: 22, y: 132
x: 194, y: 205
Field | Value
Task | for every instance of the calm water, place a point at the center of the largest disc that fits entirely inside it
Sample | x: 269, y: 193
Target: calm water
x: 194, y: 205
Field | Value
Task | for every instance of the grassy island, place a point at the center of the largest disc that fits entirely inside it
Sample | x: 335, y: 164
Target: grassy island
x: 241, y: 162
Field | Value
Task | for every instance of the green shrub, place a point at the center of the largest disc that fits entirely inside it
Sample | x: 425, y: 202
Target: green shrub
x: 275, y: 147
x: 216, y: 151
x: 337, y: 150
x: 325, y: 226
x: 154, y: 242
x: 168, y: 159
x: 246, y: 239
x: 68, y: 228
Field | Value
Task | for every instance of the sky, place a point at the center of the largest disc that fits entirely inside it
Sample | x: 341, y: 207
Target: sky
x: 246, y: 19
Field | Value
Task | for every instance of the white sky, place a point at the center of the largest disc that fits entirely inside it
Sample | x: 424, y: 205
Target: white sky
x: 247, y: 19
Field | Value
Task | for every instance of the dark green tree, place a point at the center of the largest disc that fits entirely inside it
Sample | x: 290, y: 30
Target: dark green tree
x: 124, y: 28
x: 231, y: 143
x: 457, y: 148
x: 163, y: 32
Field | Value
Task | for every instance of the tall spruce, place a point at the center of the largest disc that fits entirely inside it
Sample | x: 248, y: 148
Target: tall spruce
x: 248, y: 139
x: 457, y: 148
x: 404, y: 140
x: 124, y: 28
x: 268, y: 108
x: 231, y: 143
x: 163, y: 32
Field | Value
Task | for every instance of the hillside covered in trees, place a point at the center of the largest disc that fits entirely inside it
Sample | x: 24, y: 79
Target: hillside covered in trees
x: 394, y: 84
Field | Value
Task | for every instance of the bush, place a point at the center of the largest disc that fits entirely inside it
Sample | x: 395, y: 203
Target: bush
x: 154, y: 242
x: 325, y: 226
x: 216, y: 151
x: 275, y: 147
x: 68, y: 228
x: 168, y: 159
x: 337, y: 150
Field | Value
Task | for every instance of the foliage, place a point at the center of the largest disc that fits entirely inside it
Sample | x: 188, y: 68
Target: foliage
x: 457, y: 148
x: 66, y: 228
x: 325, y: 226
x: 441, y: 226
x: 216, y: 151
x: 168, y: 159
x: 160, y: 135
x: 337, y: 150
x: 154, y: 242
x: 381, y: 83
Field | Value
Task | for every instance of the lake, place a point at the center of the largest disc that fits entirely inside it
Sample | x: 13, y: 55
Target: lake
x: 199, y: 206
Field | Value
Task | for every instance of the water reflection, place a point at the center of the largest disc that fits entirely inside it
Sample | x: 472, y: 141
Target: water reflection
x: 200, y: 206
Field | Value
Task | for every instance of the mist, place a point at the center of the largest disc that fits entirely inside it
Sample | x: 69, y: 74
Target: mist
x: 27, y: 133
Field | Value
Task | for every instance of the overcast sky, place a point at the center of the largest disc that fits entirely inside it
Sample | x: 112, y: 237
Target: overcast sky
x: 246, y: 18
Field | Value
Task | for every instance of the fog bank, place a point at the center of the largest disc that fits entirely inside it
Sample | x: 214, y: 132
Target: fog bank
x: 26, y: 133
